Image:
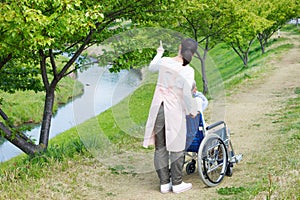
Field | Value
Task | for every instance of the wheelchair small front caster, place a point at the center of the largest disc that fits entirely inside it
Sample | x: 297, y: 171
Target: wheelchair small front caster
x: 229, y: 170
x: 191, y: 167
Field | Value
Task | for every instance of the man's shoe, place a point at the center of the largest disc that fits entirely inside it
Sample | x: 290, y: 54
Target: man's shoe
x: 181, y: 187
x: 165, y: 188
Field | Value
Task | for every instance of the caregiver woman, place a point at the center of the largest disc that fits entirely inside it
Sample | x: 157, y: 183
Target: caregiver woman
x: 166, y: 125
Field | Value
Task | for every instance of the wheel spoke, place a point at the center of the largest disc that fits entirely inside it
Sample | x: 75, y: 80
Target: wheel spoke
x: 213, y: 160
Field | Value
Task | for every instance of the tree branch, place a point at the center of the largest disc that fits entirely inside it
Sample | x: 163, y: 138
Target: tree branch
x: 52, y: 60
x: 3, y: 115
x: 44, y: 70
x: 61, y: 74
x: 5, y: 60
x: 193, y: 27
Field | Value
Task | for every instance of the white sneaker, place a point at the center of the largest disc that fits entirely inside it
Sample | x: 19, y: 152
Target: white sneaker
x: 165, y: 188
x: 181, y: 187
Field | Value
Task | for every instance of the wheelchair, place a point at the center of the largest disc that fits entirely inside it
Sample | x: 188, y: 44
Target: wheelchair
x: 209, y: 146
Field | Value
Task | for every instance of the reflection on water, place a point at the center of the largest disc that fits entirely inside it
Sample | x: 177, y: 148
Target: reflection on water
x: 99, y: 88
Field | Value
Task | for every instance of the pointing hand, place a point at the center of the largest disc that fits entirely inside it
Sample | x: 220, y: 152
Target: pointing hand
x: 160, y: 48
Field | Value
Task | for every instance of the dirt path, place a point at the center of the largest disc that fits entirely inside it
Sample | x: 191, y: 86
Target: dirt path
x: 248, y: 112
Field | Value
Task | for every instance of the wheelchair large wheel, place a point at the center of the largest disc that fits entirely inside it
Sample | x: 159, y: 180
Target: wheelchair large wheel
x: 212, y: 160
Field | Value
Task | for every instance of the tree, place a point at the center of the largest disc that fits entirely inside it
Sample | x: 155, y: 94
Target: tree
x: 244, y: 29
x: 278, y: 13
x: 35, y: 33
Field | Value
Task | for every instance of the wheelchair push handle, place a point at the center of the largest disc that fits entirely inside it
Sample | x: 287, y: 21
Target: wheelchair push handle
x: 215, y: 125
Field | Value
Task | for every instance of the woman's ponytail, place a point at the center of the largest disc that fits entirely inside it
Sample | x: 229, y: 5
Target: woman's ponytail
x: 188, y: 48
x: 187, y: 57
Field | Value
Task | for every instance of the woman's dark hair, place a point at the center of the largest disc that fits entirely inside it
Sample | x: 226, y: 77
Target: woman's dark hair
x: 188, y: 48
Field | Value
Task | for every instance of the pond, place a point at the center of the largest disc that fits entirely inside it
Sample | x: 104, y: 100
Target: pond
x: 99, y: 91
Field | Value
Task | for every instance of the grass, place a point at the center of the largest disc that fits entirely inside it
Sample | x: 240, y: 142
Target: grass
x: 122, y: 127
x: 27, y: 106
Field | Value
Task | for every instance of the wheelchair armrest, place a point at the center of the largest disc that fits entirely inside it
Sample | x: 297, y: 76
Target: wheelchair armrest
x: 215, y: 125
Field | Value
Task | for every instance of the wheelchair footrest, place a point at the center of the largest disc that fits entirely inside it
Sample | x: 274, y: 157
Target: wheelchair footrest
x: 236, y: 158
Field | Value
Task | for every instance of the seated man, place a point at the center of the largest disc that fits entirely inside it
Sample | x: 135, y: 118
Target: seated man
x: 196, y: 124
x: 202, y: 101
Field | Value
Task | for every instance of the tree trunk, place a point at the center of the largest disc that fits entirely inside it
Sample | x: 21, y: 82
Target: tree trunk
x: 22, y: 141
x: 47, y: 116
x: 242, y: 54
x: 262, y: 42
x: 245, y: 59
x: 203, y: 71
x: 204, y: 78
